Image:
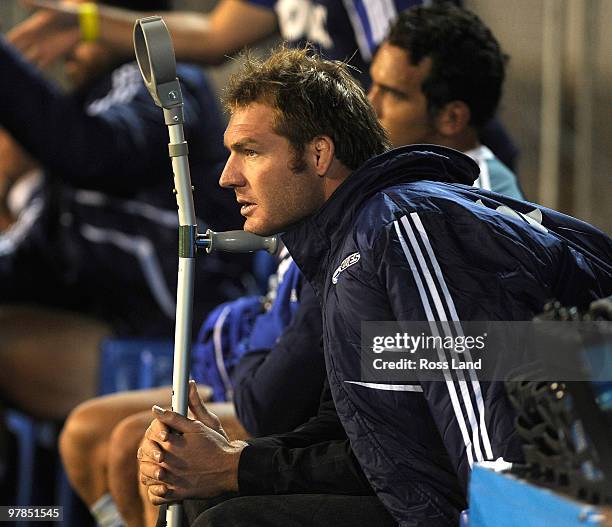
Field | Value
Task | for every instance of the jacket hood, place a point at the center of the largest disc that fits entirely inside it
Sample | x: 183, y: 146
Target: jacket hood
x: 407, y: 164
x: 400, y: 165
x: 413, y: 163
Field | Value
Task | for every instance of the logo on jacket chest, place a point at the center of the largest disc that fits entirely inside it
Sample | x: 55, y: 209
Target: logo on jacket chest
x: 351, y: 259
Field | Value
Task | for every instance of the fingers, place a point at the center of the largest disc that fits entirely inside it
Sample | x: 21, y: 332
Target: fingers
x: 199, y: 410
x: 158, y: 482
x: 51, y: 5
x: 36, y: 4
x: 58, y: 47
x: 32, y: 54
x: 150, y: 451
x: 153, y: 474
x: 159, y: 495
x: 157, y: 431
x: 202, y: 413
x: 159, y: 442
x: 25, y: 33
x: 45, y: 37
x: 175, y: 421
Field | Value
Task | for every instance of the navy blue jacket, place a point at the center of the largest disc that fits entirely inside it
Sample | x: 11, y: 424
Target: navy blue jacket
x: 432, y: 249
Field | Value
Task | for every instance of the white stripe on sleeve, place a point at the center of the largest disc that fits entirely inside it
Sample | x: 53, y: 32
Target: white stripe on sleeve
x: 465, y: 394
x: 218, y: 345
x: 388, y: 387
x: 143, y: 250
x: 430, y: 317
x: 454, y: 316
x: 359, y: 30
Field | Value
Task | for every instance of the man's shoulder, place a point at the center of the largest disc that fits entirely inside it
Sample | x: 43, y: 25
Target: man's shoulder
x: 392, y: 202
x: 378, y: 214
x: 445, y: 207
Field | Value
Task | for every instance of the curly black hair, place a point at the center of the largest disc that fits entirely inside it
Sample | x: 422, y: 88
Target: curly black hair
x: 467, y: 62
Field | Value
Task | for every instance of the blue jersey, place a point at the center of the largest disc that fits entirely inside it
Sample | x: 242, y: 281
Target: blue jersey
x: 342, y: 30
x: 282, y: 300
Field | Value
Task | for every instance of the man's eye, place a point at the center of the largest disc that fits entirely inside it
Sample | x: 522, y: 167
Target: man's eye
x: 249, y: 153
x: 392, y: 93
x: 396, y: 95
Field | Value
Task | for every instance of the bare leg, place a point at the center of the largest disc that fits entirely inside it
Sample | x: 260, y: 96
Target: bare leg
x: 84, y: 441
x: 123, y: 467
x: 5, y: 220
x: 151, y: 512
x: 48, y: 359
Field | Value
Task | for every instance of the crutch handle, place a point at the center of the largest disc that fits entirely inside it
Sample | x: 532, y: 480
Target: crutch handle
x: 236, y: 242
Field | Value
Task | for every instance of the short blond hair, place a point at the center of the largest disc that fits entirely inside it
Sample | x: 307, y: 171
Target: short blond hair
x: 311, y: 96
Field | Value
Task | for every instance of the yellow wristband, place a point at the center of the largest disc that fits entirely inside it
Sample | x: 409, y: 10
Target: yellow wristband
x: 89, y: 21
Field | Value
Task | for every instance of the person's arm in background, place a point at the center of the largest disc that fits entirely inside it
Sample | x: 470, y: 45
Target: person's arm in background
x: 278, y: 389
x: 90, y: 151
x: 14, y: 162
x: 53, y: 31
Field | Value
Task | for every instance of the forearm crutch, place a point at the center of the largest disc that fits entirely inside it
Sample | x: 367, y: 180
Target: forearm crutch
x: 157, y: 63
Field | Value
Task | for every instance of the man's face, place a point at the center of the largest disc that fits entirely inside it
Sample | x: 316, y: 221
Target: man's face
x: 397, y: 97
x: 272, y: 195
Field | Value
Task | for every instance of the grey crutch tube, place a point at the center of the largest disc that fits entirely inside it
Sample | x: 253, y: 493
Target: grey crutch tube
x: 157, y: 63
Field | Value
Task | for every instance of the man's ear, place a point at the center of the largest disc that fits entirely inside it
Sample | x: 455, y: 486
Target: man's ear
x: 322, y: 151
x: 453, y: 119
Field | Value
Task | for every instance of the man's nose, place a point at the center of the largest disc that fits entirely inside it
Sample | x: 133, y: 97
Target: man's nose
x: 374, y: 98
x: 231, y: 176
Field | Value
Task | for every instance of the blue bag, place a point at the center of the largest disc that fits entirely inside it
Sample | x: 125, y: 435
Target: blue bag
x: 250, y: 323
x: 221, y: 342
